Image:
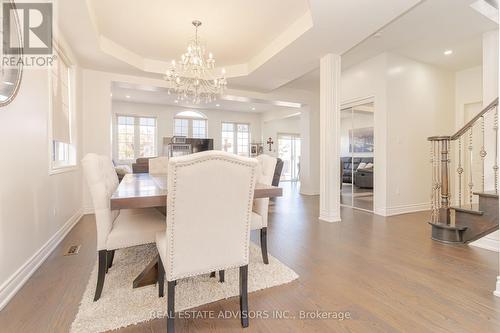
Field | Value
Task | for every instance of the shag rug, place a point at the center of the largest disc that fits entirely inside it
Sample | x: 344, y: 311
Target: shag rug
x: 120, y: 305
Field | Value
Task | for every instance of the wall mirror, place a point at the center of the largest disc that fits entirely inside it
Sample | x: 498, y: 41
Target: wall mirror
x: 10, y: 76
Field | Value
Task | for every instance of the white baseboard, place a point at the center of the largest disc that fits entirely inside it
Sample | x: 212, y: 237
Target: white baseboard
x: 87, y: 210
x: 10, y: 287
x: 488, y: 243
x: 497, y: 291
x: 324, y: 216
x: 403, y: 209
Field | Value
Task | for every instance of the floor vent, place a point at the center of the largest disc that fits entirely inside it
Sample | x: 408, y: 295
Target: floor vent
x: 74, y: 249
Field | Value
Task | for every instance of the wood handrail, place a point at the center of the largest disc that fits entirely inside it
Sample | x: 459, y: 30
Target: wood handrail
x: 471, y: 123
x: 467, y: 126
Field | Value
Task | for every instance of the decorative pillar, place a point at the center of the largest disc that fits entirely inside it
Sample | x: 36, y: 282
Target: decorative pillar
x: 329, y: 209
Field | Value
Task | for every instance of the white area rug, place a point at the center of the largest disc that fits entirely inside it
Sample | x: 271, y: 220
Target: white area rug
x: 120, y: 305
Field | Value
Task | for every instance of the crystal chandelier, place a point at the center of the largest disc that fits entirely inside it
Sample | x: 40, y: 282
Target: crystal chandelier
x: 192, y: 78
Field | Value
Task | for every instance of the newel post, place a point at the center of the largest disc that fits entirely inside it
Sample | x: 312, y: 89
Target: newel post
x: 440, y: 193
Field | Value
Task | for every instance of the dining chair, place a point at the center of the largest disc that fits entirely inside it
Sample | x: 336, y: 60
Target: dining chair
x: 267, y: 165
x: 209, y: 206
x: 116, y: 229
x: 158, y: 165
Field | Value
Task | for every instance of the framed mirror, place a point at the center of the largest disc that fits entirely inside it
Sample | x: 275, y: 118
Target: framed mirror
x: 10, y: 76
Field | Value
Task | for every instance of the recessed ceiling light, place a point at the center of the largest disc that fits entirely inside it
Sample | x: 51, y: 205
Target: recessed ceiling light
x: 176, y: 101
x: 253, y: 109
x: 448, y: 52
x: 217, y: 105
x: 128, y: 96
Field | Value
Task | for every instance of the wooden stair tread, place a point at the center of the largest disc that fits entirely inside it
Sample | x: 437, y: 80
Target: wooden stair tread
x: 489, y: 194
x: 448, y: 226
x: 474, y: 209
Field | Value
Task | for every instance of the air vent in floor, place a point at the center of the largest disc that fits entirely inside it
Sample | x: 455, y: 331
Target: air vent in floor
x: 74, y: 249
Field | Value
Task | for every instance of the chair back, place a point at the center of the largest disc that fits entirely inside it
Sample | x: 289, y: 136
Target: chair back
x: 209, y: 206
x: 102, y: 181
x: 267, y: 166
x: 158, y: 165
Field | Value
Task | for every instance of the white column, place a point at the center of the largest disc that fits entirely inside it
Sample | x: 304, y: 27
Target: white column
x: 329, y: 209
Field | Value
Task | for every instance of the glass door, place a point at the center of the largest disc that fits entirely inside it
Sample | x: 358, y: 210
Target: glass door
x: 346, y: 157
x: 356, y: 156
x: 289, y: 152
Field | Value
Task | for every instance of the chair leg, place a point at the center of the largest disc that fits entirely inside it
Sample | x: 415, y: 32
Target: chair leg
x: 263, y: 245
x: 161, y: 278
x: 111, y: 256
x: 244, y: 295
x: 171, y: 307
x: 212, y: 275
x: 221, y: 276
x: 101, y: 274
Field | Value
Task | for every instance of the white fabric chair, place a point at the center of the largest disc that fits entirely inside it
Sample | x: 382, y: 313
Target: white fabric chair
x: 209, y: 208
x: 267, y: 165
x: 115, y: 229
x: 158, y: 165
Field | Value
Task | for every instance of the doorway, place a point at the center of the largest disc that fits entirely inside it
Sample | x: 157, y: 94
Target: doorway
x: 289, y: 152
x: 357, y: 156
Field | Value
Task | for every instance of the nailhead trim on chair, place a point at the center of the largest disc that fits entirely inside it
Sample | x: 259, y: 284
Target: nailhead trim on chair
x: 170, y: 210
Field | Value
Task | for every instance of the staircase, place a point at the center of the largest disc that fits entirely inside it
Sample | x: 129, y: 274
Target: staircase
x: 462, y: 210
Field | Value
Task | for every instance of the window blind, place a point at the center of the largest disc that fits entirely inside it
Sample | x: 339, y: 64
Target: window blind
x: 60, y: 100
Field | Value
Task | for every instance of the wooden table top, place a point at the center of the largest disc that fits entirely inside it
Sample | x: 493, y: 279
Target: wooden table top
x: 144, y: 190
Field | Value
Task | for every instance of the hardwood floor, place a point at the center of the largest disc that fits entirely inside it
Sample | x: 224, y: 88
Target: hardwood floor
x: 386, y: 272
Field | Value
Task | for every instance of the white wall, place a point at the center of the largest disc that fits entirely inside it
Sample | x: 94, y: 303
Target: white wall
x: 412, y: 101
x: 468, y: 90
x: 36, y: 209
x: 420, y: 103
x: 274, y: 127
x: 367, y: 80
x: 165, y: 115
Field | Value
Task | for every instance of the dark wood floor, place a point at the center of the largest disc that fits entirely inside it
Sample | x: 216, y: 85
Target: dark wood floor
x: 385, y: 271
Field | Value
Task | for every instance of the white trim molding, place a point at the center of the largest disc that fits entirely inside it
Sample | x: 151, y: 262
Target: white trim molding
x: 487, y: 243
x: 403, y: 209
x: 330, y: 71
x: 15, y: 282
x: 497, y: 291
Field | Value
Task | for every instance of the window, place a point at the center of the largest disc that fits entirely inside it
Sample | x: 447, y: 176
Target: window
x: 199, y: 128
x: 62, y: 124
x: 181, y: 127
x: 236, y: 138
x: 135, y: 137
x: 190, y: 124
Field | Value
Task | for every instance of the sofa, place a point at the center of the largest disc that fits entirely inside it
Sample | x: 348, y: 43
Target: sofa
x: 363, y: 177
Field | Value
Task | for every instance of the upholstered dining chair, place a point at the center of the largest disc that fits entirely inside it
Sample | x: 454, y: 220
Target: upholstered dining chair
x: 158, y: 165
x: 209, y: 208
x: 267, y: 165
x: 115, y: 229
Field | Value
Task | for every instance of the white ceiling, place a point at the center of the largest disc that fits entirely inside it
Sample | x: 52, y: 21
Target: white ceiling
x: 125, y: 92
x: 234, y: 31
x: 274, y: 57
x: 423, y: 34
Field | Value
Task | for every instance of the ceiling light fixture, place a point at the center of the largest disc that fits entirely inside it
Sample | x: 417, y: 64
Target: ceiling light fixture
x: 448, y: 52
x: 192, y: 77
x: 128, y: 96
x: 217, y: 105
x: 253, y: 109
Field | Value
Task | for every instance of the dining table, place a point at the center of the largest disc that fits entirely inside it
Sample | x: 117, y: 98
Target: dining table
x: 144, y: 190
